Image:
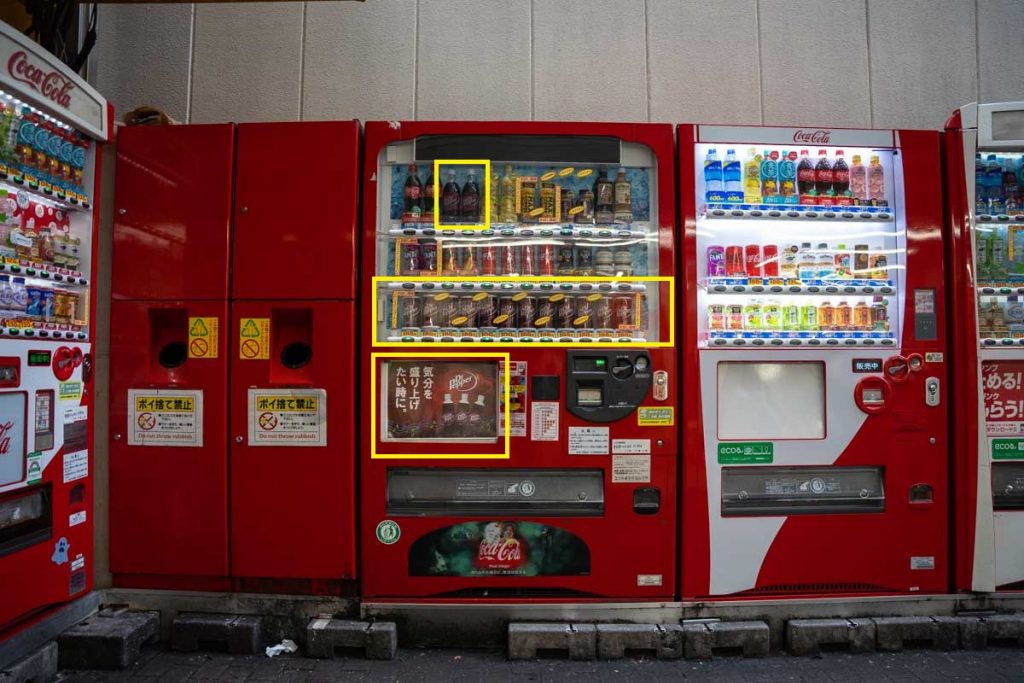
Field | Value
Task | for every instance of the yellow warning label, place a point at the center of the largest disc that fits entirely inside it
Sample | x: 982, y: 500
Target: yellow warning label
x: 280, y: 403
x: 161, y: 404
x: 203, y: 337
x: 254, y: 338
x: 655, y: 417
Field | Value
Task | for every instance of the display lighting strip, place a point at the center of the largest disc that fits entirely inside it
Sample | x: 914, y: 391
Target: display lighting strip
x: 518, y: 340
x: 14, y: 187
x: 823, y: 213
x: 604, y: 287
x: 9, y: 99
x: 869, y: 289
x: 805, y: 341
x: 518, y: 232
x: 42, y: 275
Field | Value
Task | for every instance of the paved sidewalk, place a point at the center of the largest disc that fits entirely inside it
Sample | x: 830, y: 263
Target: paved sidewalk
x: 465, y: 666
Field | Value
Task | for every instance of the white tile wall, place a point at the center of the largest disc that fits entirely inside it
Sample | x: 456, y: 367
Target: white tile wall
x: 779, y: 62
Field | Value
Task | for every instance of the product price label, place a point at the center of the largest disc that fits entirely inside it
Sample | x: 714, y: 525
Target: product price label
x: 1003, y: 385
x: 165, y: 417
x: 287, y: 417
x: 544, y: 421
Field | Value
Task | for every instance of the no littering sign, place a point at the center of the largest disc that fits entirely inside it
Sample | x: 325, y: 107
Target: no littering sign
x: 254, y: 338
x: 203, y: 335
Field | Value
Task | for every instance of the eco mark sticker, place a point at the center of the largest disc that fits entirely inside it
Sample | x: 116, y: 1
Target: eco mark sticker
x: 35, y: 467
x: 655, y: 417
x: 388, y: 532
x: 287, y: 417
x: 203, y: 337
x: 69, y: 391
x: 254, y: 338
x: 1007, y: 449
x: 165, y: 417
x: 746, y: 453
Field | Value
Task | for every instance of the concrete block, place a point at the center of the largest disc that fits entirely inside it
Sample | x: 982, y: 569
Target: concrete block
x: 808, y: 636
x: 977, y: 633
x: 234, y: 633
x: 112, y: 639
x: 615, y: 641
x: 973, y: 632
x: 37, y: 667
x: 378, y: 640
x: 704, y: 640
x: 892, y: 634
x: 578, y: 640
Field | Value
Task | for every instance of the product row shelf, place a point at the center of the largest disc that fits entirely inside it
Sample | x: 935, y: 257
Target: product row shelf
x: 1004, y: 289
x: 825, y: 213
x: 42, y: 274
x: 999, y: 218
x: 526, y: 339
x: 745, y: 285
x: 484, y: 286
x: 526, y: 232
x: 1002, y: 341
x: 58, y: 199
x: 804, y: 339
x: 41, y: 330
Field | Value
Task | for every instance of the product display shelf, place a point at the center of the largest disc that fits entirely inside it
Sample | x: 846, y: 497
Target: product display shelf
x: 799, y: 212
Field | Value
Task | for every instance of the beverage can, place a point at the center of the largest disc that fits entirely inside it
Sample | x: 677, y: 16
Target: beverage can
x: 428, y: 256
x: 508, y: 260
x: 411, y: 262
x: 547, y: 259
x: 486, y: 309
x: 527, y: 265
x: 879, y: 265
x: 735, y: 263
x: 716, y: 317
x: 430, y: 313
x: 770, y: 260
x: 566, y: 259
x: 566, y: 310
x: 586, y: 202
x: 585, y: 260
x: 488, y: 260
x: 508, y: 313
x: 545, y: 313
x: 527, y: 311
x: 447, y: 309
x: 716, y: 261
x: 752, y: 260
x: 412, y: 310
x: 602, y: 311
x: 734, y: 317
x: 466, y: 312
x: 584, y: 313
x: 568, y: 201
x: 623, y: 311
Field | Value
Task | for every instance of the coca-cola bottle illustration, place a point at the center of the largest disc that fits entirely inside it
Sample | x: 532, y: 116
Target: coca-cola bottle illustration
x: 805, y: 176
x: 823, y: 174
x: 470, y: 207
x: 446, y: 428
x: 413, y: 194
x: 840, y: 175
x: 451, y: 200
x: 462, y: 413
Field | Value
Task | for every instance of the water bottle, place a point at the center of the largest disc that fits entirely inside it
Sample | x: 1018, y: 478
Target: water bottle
x: 712, y: 172
x: 732, y: 172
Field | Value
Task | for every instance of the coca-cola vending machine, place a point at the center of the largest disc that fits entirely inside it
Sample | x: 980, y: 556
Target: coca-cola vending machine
x: 520, y: 391
x: 815, y: 448
x: 984, y: 146
x: 51, y: 125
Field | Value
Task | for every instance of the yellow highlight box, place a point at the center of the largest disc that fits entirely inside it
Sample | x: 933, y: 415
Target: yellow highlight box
x: 375, y: 400
x: 669, y: 343
x: 485, y: 192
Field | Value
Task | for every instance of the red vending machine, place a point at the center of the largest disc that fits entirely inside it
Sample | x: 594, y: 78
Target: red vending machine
x: 169, y: 375
x: 51, y: 125
x: 520, y: 386
x: 293, y: 358
x: 815, y: 454
x: 984, y: 146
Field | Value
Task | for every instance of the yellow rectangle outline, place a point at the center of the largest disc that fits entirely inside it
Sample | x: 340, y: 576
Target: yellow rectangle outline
x: 374, y: 455
x: 528, y: 278
x: 486, y: 181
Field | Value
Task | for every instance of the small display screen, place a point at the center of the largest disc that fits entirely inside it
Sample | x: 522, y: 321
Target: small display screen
x: 38, y: 358
x: 589, y: 396
x: 590, y: 364
x: 1008, y: 125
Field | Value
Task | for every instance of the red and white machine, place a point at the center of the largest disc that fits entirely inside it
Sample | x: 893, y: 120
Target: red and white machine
x: 519, y: 431
x: 815, y: 456
x: 984, y: 146
x: 51, y: 124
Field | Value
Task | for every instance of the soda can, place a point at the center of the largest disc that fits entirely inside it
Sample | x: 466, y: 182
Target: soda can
x: 602, y: 316
x: 735, y: 265
x: 547, y: 259
x: 566, y: 260
x: 508, y: 313
x: 412, y: 311
x: 486, y: 309
x: 527, y: 311
x: 584, y: 260
x: 716, y: 261
x: 428, y: 256
x: 752, y: 260
x: 545, y: 313
x: 489, y: 260
x: 431, y: 333
x: 568, y: 201
x: 466, y: 309
x: 410, y: 261
x: 623, y: 311
x: 467, y: 260
x: 508, y: 260
x: 430, y: 315
x: 527, y: 263
x: 716, y: 317
x: 447, y: 308
x: 734, y: 317
x: 770, y: 260
x: 566, y: 311
x: 584, y: 313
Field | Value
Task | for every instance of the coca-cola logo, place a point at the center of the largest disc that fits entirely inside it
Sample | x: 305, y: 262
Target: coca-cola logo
x: 507, y: 550
x: 815, y: 137
x: 5, y: 440
x: 463, y: 381
x: 52, y: 85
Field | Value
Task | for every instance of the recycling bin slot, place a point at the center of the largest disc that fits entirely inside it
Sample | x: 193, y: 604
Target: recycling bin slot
x: 26, y: 518
x: 1008, y: 485
x: 772, y: 491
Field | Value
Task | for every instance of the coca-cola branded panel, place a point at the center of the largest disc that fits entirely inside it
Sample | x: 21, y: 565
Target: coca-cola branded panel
x: 441, y: 400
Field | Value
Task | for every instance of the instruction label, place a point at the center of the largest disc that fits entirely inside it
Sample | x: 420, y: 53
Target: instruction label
x: 631, y: 469
x: 254, y: 338
x: 588, y: 440
x: 655, y: 417
x: 69, y: 391
x: 287, y: 417
x: 631, y: 445
x: 203, y: 337
x: 76, y: 466
x: 165, y: 417
x: 544, y: 421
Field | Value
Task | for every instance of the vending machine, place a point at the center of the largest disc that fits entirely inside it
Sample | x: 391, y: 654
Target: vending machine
x: 814, y: 353
x: 520, y: 388
x: 984, y: 145
x: 51, y: 125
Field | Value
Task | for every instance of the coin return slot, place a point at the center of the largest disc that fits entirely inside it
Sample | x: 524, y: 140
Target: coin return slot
x: 590, y: 394
x: 872, y: 396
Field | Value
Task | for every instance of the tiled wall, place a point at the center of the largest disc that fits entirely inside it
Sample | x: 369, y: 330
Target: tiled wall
x: 883, y: 63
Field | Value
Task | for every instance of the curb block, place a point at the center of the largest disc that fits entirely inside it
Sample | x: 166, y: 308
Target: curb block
x: 378, y: 640
x: 892, y: 633
x: 977, y: 633
x: 579, y: 641
x: 701, y: 640
x: 109, y: 640
x: 614, y: 640
x: 38, y: 667
x: 240, y: 634
x: 806, y: 636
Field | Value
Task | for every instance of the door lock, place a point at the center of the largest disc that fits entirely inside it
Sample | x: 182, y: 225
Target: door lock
x: 932, y: 396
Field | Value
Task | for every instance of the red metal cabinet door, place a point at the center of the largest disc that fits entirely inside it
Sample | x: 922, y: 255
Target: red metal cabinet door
x: 295, y: 210
x: 168, y: 504
x: 172, y: 212
x: 293, y: 502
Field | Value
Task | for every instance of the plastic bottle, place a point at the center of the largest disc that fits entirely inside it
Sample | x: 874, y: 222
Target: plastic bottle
x: 994, y: 181
x: 826, y: 315
x: 451, y: 199
x: 858, y: 180
x: 713, y: 179
x: 980, y: 185
x: 842, y: 262
x: 805, y: 176
x: 826, y: 267
x: 787, y: 176
x: 1011, y: 189
x: 876, y: 181
x: 807, y: 266
x: 840, y: 175
x: 508, y: 196
x: 470, y: 204
x: 823, y: 174
x: 843, y: 316
x: 752, y: 177
x: 753, y: 318
x: 731, y: 172
x: 769, y: 174
x: 413, y: 193
x: 771, y: 315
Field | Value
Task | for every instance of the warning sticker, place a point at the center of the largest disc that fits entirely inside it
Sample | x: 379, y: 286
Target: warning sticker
x: 203, y: 337
x: 254, y: 338
x: 76, y: 466
x: 631, y: 469
x: 287, y: 417
x: 631, y: 445
x: 165, y: 417
x: 76, y: 518
x: 544, y: 421
x: 588, y: 440
x: 655, y: 417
